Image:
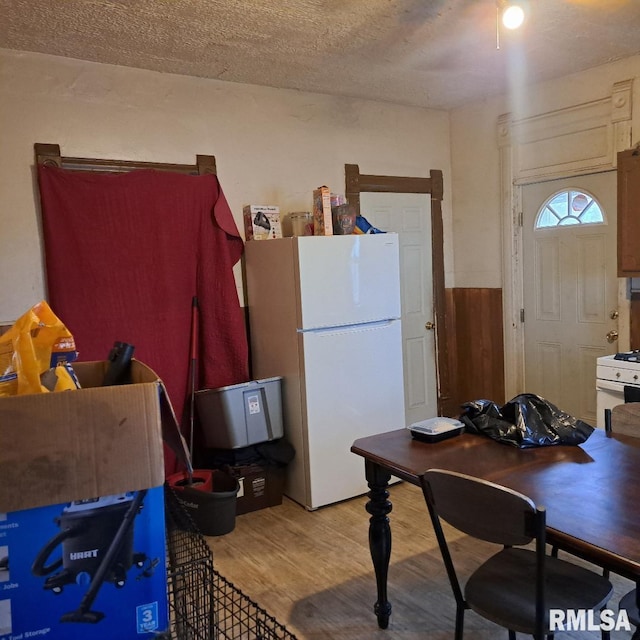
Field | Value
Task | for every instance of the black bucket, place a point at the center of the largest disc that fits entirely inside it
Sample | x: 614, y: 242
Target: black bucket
x: 214, y: 512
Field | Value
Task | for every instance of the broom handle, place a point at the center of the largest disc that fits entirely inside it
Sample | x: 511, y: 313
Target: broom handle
x: 194, y: 357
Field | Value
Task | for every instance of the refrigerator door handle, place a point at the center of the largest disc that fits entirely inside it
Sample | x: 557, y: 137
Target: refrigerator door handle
x: 350, y: 327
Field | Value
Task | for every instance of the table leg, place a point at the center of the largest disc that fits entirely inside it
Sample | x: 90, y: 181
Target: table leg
x: 379, y: 507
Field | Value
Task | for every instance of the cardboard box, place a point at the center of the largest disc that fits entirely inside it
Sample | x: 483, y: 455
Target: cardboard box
x: 322, y: 222
x: 260, y: 487
x: 261, y: 222
x: 82, y: 509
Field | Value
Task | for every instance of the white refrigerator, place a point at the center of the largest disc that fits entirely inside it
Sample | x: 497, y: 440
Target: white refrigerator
x: 324, y: 313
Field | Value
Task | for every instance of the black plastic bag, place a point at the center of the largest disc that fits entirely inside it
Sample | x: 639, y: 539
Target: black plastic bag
x: 277, y: 453
x: 525, y: 421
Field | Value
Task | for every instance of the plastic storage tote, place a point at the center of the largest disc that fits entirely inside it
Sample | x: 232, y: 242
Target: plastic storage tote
x: 242, y: 414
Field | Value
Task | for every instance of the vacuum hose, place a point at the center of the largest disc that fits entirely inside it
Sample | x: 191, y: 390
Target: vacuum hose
x: 83, y: 613
x: 119, y: 364
x: 38, y: 568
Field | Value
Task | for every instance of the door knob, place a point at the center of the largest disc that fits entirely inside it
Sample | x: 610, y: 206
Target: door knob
x: 430, y: 326
x: 612, y: 336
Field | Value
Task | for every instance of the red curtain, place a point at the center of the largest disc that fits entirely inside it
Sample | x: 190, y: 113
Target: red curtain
x: 125, y: 255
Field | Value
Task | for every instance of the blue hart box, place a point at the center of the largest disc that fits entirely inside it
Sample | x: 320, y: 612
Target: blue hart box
x: 93, y: 568
x: 74, y: 566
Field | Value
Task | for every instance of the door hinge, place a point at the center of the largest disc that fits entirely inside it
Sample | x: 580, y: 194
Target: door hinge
x: 519, y: 219
x: 521, y: 315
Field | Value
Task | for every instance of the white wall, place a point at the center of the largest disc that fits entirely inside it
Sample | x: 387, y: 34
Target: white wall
x: 272, y: 146
x: 475, y: 162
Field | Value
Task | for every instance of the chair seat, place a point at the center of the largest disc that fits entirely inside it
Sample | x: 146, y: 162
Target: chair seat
x: 503, y: 589
x: 628, y: 602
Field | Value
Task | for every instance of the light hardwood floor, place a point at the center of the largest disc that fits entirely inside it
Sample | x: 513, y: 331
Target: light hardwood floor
x: 313, y: 572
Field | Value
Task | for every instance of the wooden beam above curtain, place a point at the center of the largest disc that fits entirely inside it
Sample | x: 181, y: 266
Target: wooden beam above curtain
x: 50, y: 155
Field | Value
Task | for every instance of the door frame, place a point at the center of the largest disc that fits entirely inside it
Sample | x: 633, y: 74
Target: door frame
x: 357, y: 183
x: 587, y: 138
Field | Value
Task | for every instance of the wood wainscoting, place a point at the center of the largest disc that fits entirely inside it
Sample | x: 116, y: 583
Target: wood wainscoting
x: 476, y: 346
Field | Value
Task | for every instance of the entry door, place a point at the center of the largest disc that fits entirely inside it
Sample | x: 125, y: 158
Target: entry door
x: 409, y: 215
x: 570, y: 288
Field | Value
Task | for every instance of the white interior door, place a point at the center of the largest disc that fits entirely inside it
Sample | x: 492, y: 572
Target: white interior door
x: 570, y: 290
x: 409, y: 216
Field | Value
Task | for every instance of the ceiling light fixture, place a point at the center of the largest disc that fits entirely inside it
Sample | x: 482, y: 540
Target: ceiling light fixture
x: 511, y: 14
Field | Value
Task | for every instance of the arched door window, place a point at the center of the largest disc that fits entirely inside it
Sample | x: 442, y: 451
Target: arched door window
x: 569, y: 207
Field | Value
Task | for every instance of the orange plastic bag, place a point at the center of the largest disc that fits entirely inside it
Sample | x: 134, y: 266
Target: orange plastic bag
x: 37, y: 342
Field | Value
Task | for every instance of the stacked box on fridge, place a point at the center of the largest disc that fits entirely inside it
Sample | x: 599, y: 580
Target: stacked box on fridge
x: 322, y: 221
x: 261, y: 222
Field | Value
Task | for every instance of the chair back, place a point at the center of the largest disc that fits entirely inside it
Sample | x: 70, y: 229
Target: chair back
x: 624, y: 419
x: 514, y: 588
x: 482, y: 509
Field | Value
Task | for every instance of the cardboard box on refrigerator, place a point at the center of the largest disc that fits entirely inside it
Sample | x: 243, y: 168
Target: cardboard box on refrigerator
x: 322, y: 220
x: 261, y: 222
x: 82, y: 527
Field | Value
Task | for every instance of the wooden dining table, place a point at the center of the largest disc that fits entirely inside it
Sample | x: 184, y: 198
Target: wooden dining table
x: 591, y: 492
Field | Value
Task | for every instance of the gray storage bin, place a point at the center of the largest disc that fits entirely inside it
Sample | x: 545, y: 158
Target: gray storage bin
x: 242, y: 414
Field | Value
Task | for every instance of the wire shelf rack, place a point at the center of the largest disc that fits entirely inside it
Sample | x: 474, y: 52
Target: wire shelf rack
x: 203, y: 604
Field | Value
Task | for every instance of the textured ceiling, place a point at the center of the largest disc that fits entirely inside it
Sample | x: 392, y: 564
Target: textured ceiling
x: 428, y: 53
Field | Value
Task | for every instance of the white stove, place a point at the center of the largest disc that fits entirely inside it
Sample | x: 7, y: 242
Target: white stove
x: 612, y: 376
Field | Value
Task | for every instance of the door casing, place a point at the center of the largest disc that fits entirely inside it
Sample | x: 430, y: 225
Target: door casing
x: 355, y: 184
x: 586, y: 139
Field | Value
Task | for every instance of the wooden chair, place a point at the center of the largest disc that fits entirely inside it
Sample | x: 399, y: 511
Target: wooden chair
x: 516, y: 587
x: 625, y: 419
x: 631, y: 604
